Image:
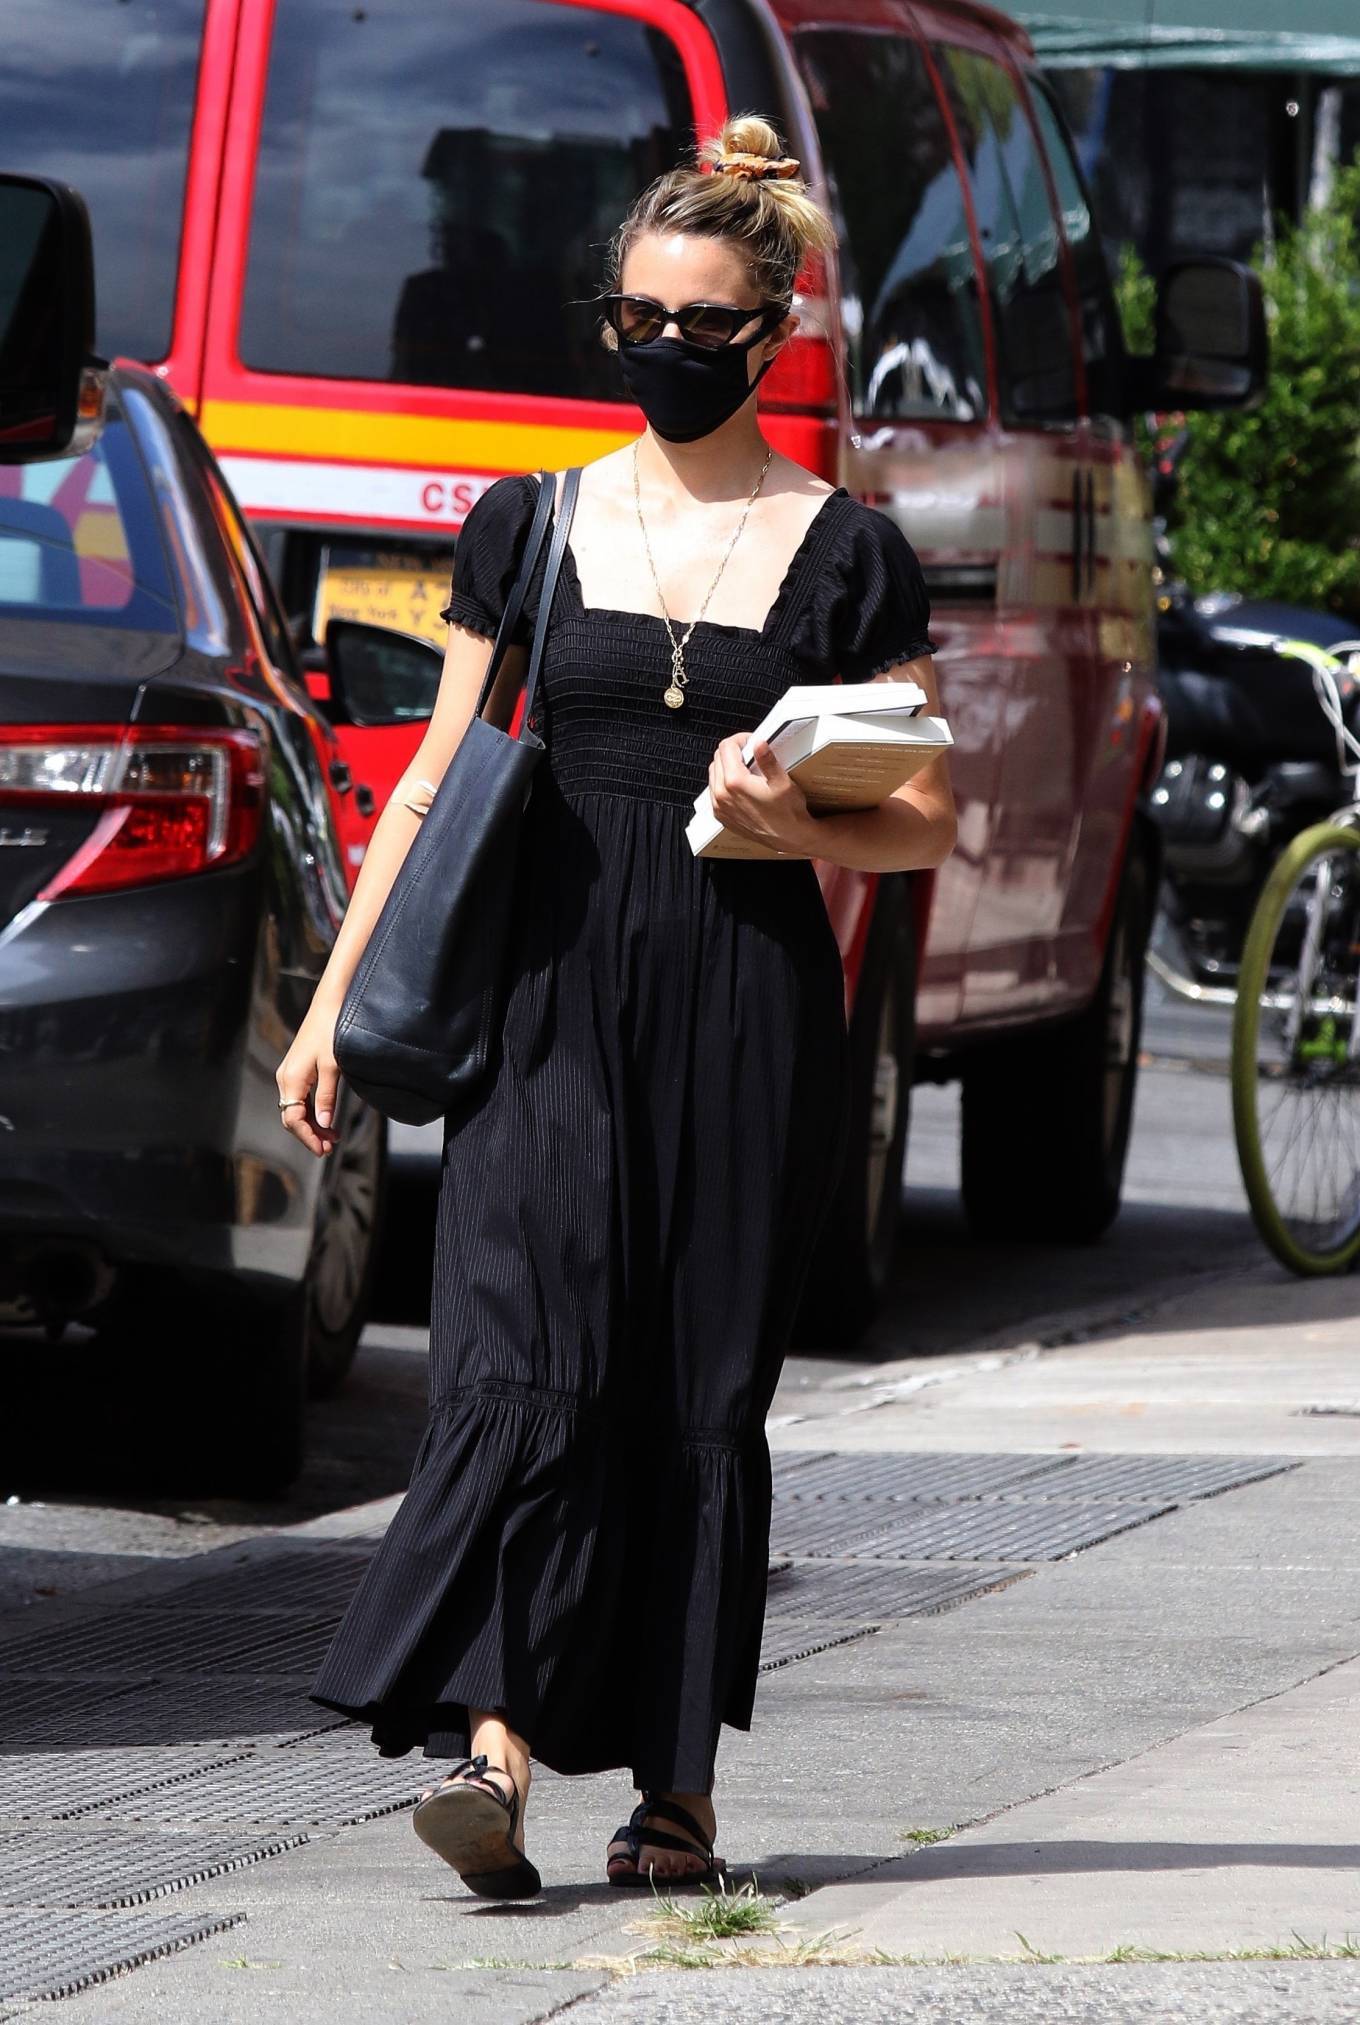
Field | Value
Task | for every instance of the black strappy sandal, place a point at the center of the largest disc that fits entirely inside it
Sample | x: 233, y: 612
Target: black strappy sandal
x: 632, y: 1833
x: 465, y: 1821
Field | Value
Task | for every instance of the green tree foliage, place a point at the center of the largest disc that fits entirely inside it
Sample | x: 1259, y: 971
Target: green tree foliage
x: 1268, y: 503
x: 1137, y: 294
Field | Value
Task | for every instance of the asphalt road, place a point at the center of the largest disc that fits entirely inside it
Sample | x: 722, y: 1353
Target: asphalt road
x: 76, y: 1462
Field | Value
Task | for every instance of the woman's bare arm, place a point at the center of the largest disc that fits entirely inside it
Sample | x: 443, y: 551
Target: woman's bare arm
x: 913, y: 829
x: 309, y: 1069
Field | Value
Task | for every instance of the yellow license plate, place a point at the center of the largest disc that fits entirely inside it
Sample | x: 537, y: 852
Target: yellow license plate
x: 384, y: 587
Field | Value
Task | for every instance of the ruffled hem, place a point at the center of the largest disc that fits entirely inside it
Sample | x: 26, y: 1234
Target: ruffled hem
x: 462, y: 610
x: 507, y: 1581
x: 914, y: 652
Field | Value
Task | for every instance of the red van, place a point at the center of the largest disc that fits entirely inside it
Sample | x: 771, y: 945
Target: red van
x: 361, y: 242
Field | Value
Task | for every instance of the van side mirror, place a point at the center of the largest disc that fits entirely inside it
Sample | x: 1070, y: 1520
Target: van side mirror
x: 378, y: 676
x: 51, y: 384
x: 1212, y: 350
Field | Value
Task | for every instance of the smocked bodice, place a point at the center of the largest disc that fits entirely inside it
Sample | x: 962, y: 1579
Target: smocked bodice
x: 851, y: 604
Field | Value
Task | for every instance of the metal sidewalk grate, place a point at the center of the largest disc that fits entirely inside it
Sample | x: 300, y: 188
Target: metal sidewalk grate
x: 154, y: 1641
x: 57, y: 1785
x: 329, y: 1784
x: 245, y: 1767
x: 1159, y: 1479
x: 837, y: 1529
x: 892, y: 1477
x: 50, y: 1953
x: 313, y: 1582
x: 814, y: 1607
x: 40, y: 1711
x: 850, y: 1593
x: 219, y: 1715
x: 791, y: 1639
x: 998, y: 1531
x: 111, y: 1868
x: 873, y: 1479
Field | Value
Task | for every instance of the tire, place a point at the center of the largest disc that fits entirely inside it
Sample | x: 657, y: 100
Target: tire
x: 853, y: 1259
x: 345, y: 1249
x: 1315, y: 1083
x: 1047, y: 1117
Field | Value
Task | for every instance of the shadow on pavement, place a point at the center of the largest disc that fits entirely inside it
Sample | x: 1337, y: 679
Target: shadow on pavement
x: 1075, y: 1859
x: 83, y: 1423
x: 950, y: 1289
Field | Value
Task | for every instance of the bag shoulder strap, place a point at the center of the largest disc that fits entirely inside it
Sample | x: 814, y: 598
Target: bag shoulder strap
x: 519, y: 590
x: 571, y: 485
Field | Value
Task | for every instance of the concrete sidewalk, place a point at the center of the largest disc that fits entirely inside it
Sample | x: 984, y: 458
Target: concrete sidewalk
x: 1154, y: 1740
x: 1231, y: 1837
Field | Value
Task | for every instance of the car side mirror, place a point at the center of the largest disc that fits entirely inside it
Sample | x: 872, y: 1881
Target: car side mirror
x: 51, y: 383
x: 378, y: 676
x: 1212, y: 349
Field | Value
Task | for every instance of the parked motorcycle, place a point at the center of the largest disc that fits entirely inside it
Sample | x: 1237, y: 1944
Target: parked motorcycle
x: 1263, y: 708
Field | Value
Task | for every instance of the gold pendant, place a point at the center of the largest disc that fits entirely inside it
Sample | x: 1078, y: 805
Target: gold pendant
x: 674, y: 695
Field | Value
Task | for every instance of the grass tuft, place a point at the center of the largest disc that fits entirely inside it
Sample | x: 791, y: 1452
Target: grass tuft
x: 1299, y: 1949
x: 671, y: 1956
x: 717, y: 1915
x: 1033, y: 1954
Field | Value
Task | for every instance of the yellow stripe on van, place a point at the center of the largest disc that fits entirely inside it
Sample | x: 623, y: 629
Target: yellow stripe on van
x: 401, y: 439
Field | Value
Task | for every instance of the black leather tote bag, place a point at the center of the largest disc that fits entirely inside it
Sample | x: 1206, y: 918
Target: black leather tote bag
x: 415, y: 1028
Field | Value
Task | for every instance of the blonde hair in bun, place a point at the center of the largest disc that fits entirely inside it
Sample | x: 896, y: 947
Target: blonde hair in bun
x: 741, y: 187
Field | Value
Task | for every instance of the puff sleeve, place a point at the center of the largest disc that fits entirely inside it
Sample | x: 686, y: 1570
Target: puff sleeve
x: 871, y: 610
x: 487, y: 558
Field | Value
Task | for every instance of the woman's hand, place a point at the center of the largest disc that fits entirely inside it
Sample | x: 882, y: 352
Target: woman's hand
x: 763, y: 800
x: 309, y: 1071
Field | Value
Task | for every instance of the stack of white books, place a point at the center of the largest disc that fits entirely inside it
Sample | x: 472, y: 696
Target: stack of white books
x: 848, y: 746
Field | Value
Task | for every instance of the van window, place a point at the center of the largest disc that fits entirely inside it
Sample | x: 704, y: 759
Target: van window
x: 1020, y: 241
x: 436, y: 187
x: 913, y: 330
x: 1102, y: 334
x: 103, y: 97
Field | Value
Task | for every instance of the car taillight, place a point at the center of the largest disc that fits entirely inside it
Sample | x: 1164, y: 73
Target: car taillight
x: 167, y: 801
x: 806, y: 373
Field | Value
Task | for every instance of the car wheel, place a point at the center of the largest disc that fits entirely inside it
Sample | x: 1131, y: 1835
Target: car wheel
x: 345, y: 1248
x: 854, y: 1256
x: 1047, y: 1118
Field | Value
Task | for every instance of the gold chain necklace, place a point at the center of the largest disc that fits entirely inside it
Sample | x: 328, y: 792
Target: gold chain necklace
x: 674, y: 693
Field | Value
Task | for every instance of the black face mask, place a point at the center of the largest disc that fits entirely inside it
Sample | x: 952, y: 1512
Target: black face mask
x: 684, y: 391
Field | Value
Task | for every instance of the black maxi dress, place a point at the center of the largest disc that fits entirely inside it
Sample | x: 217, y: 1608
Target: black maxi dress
x: 627, y: 1206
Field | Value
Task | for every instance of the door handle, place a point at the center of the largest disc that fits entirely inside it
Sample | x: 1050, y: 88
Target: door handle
x: 1083, y: 535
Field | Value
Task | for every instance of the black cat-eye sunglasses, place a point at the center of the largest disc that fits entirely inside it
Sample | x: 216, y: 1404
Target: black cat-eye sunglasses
x: 638, y: 319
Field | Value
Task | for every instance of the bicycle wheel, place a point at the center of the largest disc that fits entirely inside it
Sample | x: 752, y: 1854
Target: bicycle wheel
x: 1296, y: 1054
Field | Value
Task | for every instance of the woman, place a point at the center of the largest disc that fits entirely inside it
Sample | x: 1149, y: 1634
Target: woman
x: 627, y: 1206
